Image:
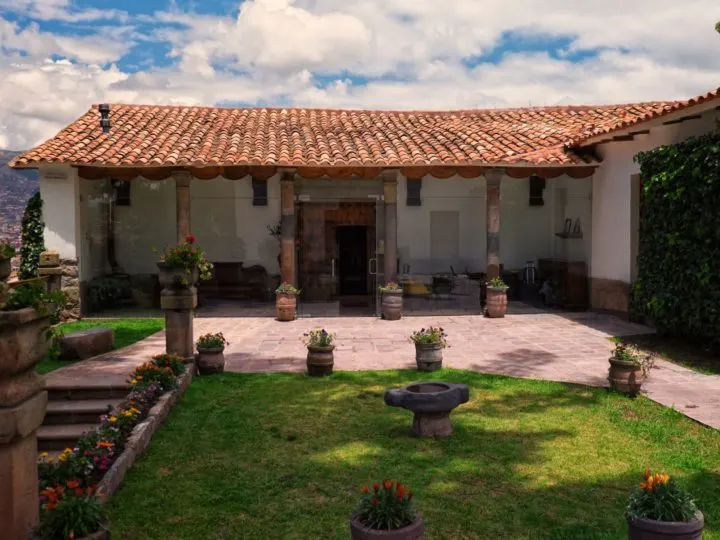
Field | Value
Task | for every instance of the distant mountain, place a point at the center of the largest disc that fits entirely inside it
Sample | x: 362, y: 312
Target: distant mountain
x: 16, y: 187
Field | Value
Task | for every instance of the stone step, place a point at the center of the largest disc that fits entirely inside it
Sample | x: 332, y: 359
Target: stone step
x: 82, y: 411
x: 75, y: 392
x: 60, y: 436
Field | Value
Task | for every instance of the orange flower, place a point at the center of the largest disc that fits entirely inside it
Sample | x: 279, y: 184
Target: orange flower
x: 376, y: 487
x: 72, y: 484
x: 365, y: 489
x: 387, y: 484
x: 400, y: 493
x: 647, y: 473
x: 105, y: 444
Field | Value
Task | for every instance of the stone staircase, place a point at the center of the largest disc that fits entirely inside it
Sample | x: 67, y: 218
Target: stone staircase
x: 74, y: 409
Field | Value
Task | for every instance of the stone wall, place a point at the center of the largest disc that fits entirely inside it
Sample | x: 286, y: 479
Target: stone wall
x: 70, y: 284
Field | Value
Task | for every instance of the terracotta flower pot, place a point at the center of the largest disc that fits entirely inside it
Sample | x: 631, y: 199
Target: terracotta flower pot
x: 285, y: 306
x: 176, y: 277
x: 5, y: 269
x: 392, y: 305
x: 414, y: 531
x: 649, y: 529
x: 625, y: 377
x: 428, y: 356
x: 320, y: 361
x: 496, y: 303
x: 210, y: 360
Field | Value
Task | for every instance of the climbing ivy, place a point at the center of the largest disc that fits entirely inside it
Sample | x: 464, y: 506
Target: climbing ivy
x: 678, y: 285
x: 33, y: 242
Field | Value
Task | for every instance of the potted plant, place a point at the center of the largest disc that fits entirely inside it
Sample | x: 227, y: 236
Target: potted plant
x: 181, y: 266
x: 628, y: 368
x: 320, y: 348
x: 392, y: 301
x: 429, y: 343
x: 7, y: 252
x: 69, y: 511
x: 659, y: 509
x: 386, y: 511
x: 496, y: 298
x: 286, y: 301
x: 210, y: 349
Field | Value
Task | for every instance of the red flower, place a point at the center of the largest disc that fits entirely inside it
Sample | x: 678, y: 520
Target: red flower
x: 190, y: 239
x: 376, y: 487
x: 387, y: 484
x: 365, y: 489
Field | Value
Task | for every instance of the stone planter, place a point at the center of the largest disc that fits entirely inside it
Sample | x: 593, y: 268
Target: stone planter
x: 320, y: 361
x: 431, y: 403
x: 285, y: 306
x: 649, y: 529
x: 23, y: 340
x: 496, y: 303
x: 210, y: 360
x: 176, y: 277
x: 414, y: 531
x: 625, y: 377
x: 5, y: 269
x: 428, y: 356
x: 392, y: 305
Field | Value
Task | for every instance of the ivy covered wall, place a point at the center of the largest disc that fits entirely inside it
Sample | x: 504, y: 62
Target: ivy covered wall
x: 678, y: 285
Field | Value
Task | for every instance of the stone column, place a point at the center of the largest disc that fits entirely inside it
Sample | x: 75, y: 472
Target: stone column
x: 390, y: 196
x: 287, y: 225
x: 493, y: 178
x: 179, y: 305
x: 49, y: 267
x: 182, y: 200
x: 23, y: 403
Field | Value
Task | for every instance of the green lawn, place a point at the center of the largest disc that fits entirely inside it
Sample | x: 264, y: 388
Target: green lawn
x: 700, y: 357
x: 282, y: 456
x: 127, y: 332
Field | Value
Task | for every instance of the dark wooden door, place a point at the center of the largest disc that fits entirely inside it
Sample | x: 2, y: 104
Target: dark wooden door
x: 352, y: 259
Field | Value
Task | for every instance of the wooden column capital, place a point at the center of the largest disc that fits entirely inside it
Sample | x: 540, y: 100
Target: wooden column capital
x: 182, y: 179
x: 494, y: 176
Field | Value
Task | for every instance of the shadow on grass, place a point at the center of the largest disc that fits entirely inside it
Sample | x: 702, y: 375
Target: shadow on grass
x: 283, y: 456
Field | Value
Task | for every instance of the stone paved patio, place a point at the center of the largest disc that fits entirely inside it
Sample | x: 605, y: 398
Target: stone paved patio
x: 566, y: 347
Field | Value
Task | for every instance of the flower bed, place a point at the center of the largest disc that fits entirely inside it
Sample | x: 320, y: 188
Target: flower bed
x: 97, y: 465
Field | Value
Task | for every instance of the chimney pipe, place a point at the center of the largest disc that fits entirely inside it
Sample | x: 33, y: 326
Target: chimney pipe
x: 104, y: 109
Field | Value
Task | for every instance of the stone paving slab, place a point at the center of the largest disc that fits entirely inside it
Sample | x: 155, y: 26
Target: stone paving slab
x: 528, y: 343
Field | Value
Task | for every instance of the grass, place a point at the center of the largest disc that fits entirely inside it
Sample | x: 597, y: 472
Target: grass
x: 127, y: 332
x: 700, y: 357
x: 282, y: 456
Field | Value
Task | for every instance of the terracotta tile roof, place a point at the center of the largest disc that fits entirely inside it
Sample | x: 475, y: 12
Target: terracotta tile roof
x: 150, y: 135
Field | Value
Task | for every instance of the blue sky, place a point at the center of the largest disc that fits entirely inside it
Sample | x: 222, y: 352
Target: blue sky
x: 59, y: 56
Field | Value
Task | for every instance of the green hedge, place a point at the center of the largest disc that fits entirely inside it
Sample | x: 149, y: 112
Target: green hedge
x: 678, y: 286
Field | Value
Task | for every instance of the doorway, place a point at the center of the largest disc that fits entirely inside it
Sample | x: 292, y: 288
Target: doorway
x: 352, y: 248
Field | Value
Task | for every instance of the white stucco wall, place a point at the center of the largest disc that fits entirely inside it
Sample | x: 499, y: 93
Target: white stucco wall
x: 612, y: 188
x: 527, y: 233
x: 222, y: 218
x: 60, y: 192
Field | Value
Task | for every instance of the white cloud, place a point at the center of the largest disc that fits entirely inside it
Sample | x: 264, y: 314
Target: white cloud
x: 60, y: 10
x: 414, y: 53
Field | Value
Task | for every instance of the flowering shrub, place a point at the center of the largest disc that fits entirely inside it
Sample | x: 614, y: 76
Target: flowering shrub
x: 661, y: 499
x: 6, y: 251
x: 387, y: 506
x: 149, y: 373
x: 69, y: 511
x: 390, y: 286
x: 319, y: 338
x: 172, y: 361
x: 188, y: 256
x: 633, y: 355
x: 212, y: 341
x: 287, y: 288
x: 429, y: 336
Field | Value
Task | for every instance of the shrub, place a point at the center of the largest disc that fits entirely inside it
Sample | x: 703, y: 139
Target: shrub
x: 658, y: 497
x: 287, y: 288
x: 69, y: 511
x: 387, y: 506
x: 150, y: 372
x: 678, y: 286
x: 106, y: 291
x: 497, y: 283
x: 7, y: 251
x: 429, y: 336
x: 33, y: 242
x: 188, y: 256
x: 36, y: 296
x: 212, y: 341
x: 319, y: 338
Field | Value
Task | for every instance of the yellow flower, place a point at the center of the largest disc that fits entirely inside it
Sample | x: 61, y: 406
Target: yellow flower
x: 133, y: 381
x: 61, y: 457
x: 112, y: 419
x: 44, y: 454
